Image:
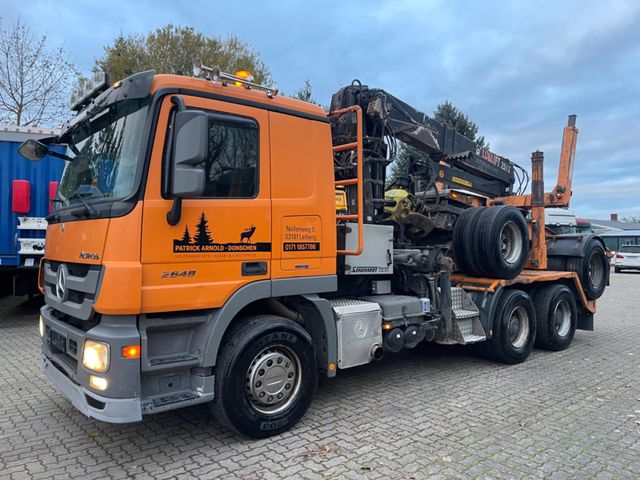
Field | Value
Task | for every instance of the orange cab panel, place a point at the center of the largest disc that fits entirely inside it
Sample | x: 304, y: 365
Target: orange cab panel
x: 122, y: 280
x: 77, y: 242
x: 303, y: 197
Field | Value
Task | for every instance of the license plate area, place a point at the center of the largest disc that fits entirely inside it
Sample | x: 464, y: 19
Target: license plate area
x: 57, y: 341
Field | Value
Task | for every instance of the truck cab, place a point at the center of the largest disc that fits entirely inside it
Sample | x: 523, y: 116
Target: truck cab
x: 560, y: 221
x: 118, y: 270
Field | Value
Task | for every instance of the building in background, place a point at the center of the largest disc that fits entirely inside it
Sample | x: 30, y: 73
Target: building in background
x: 616, y: 233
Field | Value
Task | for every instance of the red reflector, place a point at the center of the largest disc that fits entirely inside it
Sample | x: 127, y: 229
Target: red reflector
x: 21, y: 196
x: 619, y: 256
x: 53, y: 189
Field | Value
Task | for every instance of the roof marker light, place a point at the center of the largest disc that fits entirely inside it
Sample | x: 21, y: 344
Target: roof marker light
x: 243, y: 74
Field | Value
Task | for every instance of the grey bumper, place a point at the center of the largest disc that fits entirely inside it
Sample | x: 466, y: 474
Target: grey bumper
x: 112, y: 410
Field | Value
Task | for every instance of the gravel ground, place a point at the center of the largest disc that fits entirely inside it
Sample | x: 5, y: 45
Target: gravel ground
x: 434, y: 412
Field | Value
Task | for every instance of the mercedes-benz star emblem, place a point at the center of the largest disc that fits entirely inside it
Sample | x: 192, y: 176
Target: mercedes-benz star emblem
x: 61, y: 283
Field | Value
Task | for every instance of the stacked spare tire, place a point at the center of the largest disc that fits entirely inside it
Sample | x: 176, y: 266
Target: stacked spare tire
x: 494, y: 243
x: 491, y: 242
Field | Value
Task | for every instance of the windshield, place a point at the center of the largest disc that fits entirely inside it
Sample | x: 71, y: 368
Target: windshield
x: 630, y: 248
x: 105, y: 155
x: 561, y: 229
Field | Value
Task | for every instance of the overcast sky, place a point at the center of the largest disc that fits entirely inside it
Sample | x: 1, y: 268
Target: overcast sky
x: 516, y: 68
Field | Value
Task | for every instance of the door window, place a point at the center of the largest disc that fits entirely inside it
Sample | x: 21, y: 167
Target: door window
x: 231, y: 167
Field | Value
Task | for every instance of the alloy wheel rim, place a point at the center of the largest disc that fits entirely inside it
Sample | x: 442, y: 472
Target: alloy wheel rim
x: 562, y: 318
x: 518, y: 327
x: 595, y: 270
x: 510, y: 242
x: 273, y: 379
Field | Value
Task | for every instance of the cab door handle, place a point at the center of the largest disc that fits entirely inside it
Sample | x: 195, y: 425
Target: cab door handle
x: 254, y: 268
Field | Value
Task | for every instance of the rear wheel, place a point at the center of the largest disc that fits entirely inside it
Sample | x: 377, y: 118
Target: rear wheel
x: 265, y: 376
x: 514, y: 328
x: 617, y: 269
x: 592, y: 269
x: 557, y: 316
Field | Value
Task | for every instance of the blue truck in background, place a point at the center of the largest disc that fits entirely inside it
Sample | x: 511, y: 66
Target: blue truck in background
x: 26, y: 191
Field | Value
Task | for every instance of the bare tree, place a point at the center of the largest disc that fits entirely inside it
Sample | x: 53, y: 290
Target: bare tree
x: 35, y: 82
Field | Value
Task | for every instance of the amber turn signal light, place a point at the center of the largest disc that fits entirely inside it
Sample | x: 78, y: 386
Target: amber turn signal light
x: 131, y: 351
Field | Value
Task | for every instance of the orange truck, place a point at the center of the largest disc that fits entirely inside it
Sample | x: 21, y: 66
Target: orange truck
x: 215, y: 242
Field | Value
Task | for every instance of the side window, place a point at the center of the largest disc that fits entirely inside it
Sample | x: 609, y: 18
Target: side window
x: 232, y: 165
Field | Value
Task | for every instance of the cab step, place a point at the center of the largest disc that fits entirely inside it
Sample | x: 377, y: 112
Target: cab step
x: 466, y: 320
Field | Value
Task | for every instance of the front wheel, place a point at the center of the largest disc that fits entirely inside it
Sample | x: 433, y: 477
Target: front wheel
x: 266, y: 375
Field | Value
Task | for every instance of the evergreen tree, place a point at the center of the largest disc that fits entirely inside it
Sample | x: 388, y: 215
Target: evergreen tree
x: 203, y: 237
x: 173, y: 48
x: 448, y: 114
x: 186, y: 238
x: 305, y: 93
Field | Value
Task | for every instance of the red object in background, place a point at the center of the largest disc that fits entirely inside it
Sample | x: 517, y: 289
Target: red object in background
x: 619, y: 256
x: 21, y: 196
x: 53, y: 189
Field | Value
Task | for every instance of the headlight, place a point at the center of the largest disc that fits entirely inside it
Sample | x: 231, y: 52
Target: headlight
x: 96, y: 356
x: 41, y: 326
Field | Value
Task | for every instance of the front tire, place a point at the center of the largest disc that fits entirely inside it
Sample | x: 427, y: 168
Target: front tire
x: 557, y: 316
x: 265, y: 376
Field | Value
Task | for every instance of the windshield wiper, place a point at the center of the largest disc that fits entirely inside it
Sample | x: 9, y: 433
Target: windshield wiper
x: 88, y: 209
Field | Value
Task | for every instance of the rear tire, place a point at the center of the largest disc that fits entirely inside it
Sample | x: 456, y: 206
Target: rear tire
x: 514, y: 328
x: 557, y: 316
x: 502, y: 241
x: 265, y: 376
x: 592, y: 269
x: 617, y: 270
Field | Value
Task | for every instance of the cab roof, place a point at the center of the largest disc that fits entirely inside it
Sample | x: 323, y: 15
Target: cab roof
x: 166, y: 81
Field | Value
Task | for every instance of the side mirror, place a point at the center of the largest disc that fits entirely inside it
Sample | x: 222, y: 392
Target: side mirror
x: 33, y: 150
x: 190, y: 150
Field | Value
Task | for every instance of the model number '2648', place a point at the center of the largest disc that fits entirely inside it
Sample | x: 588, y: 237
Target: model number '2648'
x: 178, y: 273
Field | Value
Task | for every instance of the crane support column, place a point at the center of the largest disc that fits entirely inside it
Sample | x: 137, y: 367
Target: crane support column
x: 561, y: 195
x: 538, y: 259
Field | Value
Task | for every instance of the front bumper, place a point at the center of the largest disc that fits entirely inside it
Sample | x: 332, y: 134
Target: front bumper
x: 137, y: 386
x: 112, y: 410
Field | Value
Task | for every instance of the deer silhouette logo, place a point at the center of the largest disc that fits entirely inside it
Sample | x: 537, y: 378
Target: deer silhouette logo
x: 247, y: 234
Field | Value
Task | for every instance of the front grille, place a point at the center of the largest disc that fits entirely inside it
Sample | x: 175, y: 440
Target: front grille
x: 81, y: 288
x: 76, y: 269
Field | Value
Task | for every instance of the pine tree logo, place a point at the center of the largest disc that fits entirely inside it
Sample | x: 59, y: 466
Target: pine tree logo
x: 202, y: 237
x: 186, y: 238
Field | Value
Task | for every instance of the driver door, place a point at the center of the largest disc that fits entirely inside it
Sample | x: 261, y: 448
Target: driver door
x: 223, y: 240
